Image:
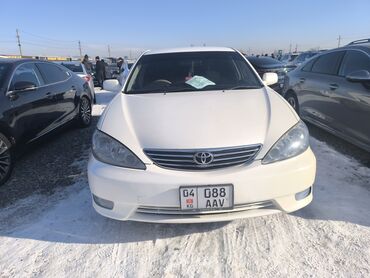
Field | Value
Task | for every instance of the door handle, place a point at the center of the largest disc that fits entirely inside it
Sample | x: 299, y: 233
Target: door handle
x: 301, y: 80
x: 49, y: 95
x: 333, y: 86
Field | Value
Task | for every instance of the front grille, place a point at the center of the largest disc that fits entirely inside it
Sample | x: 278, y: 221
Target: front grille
x: 186, y: 160
x: 178, y: 211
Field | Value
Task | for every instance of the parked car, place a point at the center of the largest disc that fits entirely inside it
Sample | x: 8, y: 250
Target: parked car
x: 288, y: 57
x: 267, y: 64
x: 197, y: 136
x: 79, y: 69
x: 332, y: 91
x: 36, y: 98
x: 304, y: 56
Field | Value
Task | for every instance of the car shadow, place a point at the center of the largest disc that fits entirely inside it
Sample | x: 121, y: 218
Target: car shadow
x: 75, y: 221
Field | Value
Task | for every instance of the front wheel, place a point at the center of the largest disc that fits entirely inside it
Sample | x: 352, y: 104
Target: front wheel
x: 293, y: 101
x: 6, y: 159
x: 84, y: 113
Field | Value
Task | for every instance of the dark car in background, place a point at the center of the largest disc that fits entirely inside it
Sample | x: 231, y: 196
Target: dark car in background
x: 303, y: 57
x: 332, y: 91
x: 37, y: 97
x: 265, y: 64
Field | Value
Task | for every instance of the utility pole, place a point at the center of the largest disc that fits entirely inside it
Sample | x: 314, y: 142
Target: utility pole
x: 79, y: 48
x: 109, y: 50
x: 339, y: 39
x: 19, y: 42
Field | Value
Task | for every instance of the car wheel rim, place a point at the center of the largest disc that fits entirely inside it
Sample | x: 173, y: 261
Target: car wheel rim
x: 85, y: 111
x: 292, y: 102
x: 5, y: 159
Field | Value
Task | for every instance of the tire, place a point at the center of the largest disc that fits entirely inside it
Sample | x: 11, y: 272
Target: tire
x: 6, y: 159
x: 292, y: 99
x: 84, y: 112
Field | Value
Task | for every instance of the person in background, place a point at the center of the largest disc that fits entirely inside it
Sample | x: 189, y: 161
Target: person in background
x: 123, y: 72
x: 273, y: 55
x: 105, y: 67
x: 119, y: 63
x: 99, y: 69
x: 88, y: 65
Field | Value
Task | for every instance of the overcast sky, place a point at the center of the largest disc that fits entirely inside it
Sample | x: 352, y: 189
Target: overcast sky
x: 55, y: 27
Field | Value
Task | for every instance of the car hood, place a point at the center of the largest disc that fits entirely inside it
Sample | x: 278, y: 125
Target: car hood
x: 195, y: 120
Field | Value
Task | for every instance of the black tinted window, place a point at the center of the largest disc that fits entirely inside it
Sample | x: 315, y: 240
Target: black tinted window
x: 328, y: 63
x: 191, y: 71
x: 26, y: 72
x: 73, y: 67
x: 52, y: 73
x: 354, y: 61
x: 308, y: 66
x: 4, y: 71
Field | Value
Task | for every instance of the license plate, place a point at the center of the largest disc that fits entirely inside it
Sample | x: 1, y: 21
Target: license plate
x: 210, y: 197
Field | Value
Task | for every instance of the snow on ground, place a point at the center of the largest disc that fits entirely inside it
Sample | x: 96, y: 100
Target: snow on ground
x: 331, y: 237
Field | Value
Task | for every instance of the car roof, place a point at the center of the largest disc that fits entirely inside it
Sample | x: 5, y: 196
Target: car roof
x: 190, y: 49
x: 16, y: 61
x: 69, y: 62
x: 363, y: 46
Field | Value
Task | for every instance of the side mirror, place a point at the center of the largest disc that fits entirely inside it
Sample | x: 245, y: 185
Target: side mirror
x: 112, y: 85
x: 24, y: 86
x: 359, y: 76
x: 270, y: 78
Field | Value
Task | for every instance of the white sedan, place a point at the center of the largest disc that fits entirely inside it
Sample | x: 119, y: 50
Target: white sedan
x: 197, y: 136
x: 79, y: 69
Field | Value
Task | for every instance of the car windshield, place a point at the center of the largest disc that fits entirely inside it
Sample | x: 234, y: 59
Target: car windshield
x: 191, y: 71
x: 3, y: 72
x: 73, y: 67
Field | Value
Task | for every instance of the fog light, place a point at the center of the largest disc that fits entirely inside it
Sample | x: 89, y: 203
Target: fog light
x: 103, y: 202
x: 303, y: 194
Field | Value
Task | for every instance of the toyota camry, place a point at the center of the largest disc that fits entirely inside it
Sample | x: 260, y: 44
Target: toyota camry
x: 195, y: 135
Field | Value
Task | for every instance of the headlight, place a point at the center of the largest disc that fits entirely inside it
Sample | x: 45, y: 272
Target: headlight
x: 110, y: 151
x: 292, y: 143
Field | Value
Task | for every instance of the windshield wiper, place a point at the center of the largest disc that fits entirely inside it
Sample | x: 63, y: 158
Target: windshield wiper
x: 242, y: 88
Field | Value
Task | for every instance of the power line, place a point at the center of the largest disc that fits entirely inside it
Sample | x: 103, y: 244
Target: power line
x: 47, y: 38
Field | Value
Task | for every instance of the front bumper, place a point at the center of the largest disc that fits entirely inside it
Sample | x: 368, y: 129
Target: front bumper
x: 153, y: 195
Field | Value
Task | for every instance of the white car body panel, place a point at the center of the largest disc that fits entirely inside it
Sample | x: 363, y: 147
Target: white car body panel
x: 200, y: 120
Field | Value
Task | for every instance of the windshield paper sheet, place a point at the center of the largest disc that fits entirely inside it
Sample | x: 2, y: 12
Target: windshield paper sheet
x: 199, y: 82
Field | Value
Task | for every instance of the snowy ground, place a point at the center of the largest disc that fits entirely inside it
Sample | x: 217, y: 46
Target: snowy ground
x: 62, y: 236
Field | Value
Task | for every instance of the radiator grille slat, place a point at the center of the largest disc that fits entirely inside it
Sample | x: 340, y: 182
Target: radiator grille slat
x: 186, y: 160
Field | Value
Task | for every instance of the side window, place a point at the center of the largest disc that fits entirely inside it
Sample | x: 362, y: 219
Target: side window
x: 354, y: 61
x: 309, y: 64
x: 27, y: 72
x: 328, y: 63
x: 52, y: 73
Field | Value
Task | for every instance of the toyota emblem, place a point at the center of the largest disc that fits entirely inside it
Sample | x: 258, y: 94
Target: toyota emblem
x: 203, y: 158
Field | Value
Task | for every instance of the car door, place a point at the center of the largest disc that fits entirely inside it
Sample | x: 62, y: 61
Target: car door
x: 59, y: 84
x: 28, y: 108
x: 317, y: 87
x: 352, y: 99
